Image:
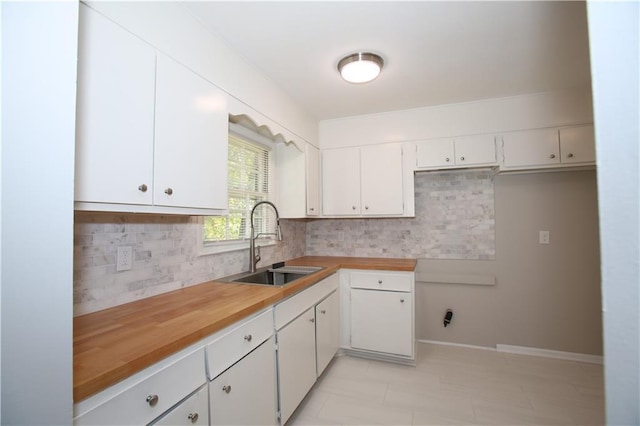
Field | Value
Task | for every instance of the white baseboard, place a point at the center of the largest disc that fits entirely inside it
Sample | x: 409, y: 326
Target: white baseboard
x: 461, y: 345
x: 547, y: 353
x: 523, y: 350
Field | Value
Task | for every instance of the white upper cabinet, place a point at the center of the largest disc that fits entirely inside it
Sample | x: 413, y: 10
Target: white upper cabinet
x: 313, y: 180
x: 191, y: 131
x: 341, y: 181
x: 363, y: 181
x: 532, y: 147
x: 115, y: 112
x: 577, y: 145
x: 381, y: 179
x: 474, y: 151
x: 544, y: 148
x: 151, y: 134
x: 296, y: 172
x: 466, y: 151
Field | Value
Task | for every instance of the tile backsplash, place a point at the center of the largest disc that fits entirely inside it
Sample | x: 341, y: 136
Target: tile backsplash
x: 454, y: 220
x: 165, y: 254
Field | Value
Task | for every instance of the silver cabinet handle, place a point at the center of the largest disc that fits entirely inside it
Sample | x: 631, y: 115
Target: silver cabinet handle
x: 353, y: 207
x: 143, y: 188
x: 461, y: 158
x: 552, y: 156
x: 248, y: 337
x: 312, y: 320
x: 193, y: 417
x: 152, y: 400
x: 379, y: 281
x: 570, y: 155
x: 226, y: 388
x: 401, y: 300
x: 168, y: 191
x: 311, y: 208
x: 324, y: 311
x: 366, y: 207
x: 447, y: 159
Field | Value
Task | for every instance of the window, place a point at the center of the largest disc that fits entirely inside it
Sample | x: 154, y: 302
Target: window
x: 249, y: 181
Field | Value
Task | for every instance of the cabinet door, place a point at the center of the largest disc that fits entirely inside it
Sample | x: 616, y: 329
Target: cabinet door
x: 296, y: 362
x: 341, y: 181
x: 193, y: 411
x: 577, y: 145
x: 191, y: 131
x: 327, y: 330
x: 381, y: 321
x: 435, y: 153
x: 475, y: 150
x: 313, y: 181
x: 531, y: 148
x: 381, y: 179
x: 245, y: 394
x: 115, y: 112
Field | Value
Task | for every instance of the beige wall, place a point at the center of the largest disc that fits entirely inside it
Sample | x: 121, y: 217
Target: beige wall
x: 546, y: 296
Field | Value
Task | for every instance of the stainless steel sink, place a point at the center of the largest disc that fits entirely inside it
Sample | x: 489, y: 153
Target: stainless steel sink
x: 273, y: 276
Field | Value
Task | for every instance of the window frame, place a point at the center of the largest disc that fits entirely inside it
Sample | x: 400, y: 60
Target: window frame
x: 251, y: 137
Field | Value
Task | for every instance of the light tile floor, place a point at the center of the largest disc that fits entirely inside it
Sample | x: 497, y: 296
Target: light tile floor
x: 456, y: 386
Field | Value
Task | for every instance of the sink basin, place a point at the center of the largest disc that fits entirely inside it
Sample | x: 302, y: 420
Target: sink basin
x: 273, y: 276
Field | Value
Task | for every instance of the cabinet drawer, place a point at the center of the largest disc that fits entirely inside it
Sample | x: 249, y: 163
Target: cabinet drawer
x: 385, y: 281
x: 288, y: 310
x: 225, y: 351
x: 166, y: 387
x: 192, y: 411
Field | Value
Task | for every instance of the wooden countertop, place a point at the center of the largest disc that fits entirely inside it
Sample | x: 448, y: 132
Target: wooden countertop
x: 110, y: 345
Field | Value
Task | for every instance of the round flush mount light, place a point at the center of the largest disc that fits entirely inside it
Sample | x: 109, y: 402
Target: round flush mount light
x: 361, y: 67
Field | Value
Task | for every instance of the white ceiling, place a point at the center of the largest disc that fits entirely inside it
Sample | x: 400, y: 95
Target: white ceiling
x: 435, y: 52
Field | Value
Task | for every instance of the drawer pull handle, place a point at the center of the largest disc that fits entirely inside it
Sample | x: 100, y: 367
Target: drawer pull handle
x: 447, y: 159
x: 324, y: 311
x: 570, y: 155
x: 248, y: 337
x: 552, y: 156
x: 193, y: 417
x: 401, y: 300
x: 461, y: 158
x: 312, y: 320
x: 142, y: 188
x: 152, y: 400
x: 168, y: 191
x: 353, y: 207
x: 226, y: 388
x: 379, y: 281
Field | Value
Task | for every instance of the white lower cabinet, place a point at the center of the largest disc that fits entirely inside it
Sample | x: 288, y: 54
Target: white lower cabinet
x: 381, y: 321
x: 245, y: 394
x: 144, y: 397
x: 192, y: 411
x: 307, y: 330
x: 379, y: 318
x: 296, y: 362
x: 327, y: 330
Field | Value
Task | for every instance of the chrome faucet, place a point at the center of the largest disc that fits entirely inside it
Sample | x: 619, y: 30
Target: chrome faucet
x: 253, y: 257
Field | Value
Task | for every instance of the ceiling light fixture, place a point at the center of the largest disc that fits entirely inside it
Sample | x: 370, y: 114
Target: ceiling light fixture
x: 361, y: 67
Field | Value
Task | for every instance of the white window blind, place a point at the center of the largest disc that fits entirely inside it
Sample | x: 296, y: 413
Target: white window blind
x: 249, y: 181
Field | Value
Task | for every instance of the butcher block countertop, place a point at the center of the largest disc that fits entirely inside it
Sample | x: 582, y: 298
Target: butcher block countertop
x: 110, y: 345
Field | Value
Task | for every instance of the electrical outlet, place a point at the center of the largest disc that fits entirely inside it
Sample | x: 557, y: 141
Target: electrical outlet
x: 544, y: 237
x: 124, y: 258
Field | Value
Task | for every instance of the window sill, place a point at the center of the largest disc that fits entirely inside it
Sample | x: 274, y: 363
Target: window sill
x: 224, y: 247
